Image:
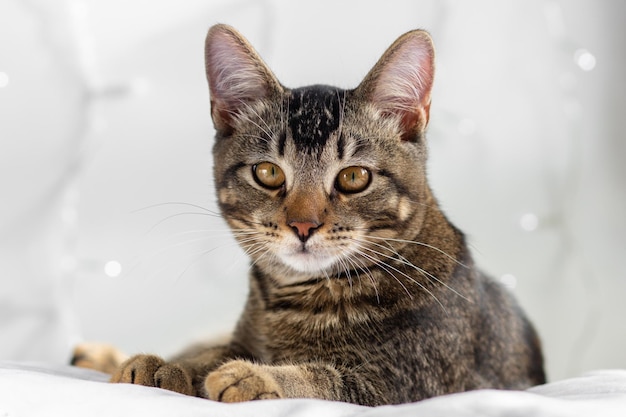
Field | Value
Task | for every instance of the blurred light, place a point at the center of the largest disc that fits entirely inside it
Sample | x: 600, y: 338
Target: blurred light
x: 4, y: 79
x: 529, y: 222
x: 585, y: 59
x: 113, y: 269
x: 466, y: 127
x: 509, y: 281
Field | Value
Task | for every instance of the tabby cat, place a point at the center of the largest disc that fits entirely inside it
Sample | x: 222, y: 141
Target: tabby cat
x: 360, y: 289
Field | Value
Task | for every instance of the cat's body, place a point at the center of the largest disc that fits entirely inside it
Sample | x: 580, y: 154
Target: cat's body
x: 360, y: 290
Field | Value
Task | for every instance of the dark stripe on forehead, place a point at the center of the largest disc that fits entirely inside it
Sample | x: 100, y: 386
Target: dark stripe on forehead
x: 341, y: 146
x: 282, y: 138
x: 314, y: 113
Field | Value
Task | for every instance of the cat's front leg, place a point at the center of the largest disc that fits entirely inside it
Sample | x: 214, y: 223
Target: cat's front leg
x: 240, y: 380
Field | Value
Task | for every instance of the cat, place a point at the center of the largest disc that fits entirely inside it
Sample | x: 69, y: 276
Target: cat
x: 361, y: 290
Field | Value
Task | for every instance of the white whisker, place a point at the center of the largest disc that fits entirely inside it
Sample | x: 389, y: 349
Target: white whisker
x: 380, y: 263
x: 353, y: 261
x: 178, y: 215
x: 197, y: 258
x: 426, y: 245
x: 177, y: 203
x: 406, y: 262
x: 384, y: 266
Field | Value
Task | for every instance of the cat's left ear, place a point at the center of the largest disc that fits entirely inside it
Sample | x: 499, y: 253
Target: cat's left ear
x: 237, y: 76
x: 400, y: 83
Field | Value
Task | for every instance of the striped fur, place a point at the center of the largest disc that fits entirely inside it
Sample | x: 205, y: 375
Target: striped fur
x: 369, y: 297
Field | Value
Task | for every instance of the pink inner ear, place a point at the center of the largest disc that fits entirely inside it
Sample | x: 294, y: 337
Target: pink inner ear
x: 233, y: 72
x: 405, y: 81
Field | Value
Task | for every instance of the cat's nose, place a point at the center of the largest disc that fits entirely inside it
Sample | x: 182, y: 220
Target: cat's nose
x: 305, y: 229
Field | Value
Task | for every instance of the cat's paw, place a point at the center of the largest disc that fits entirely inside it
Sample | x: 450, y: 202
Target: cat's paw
x: 101, y: 357
x: 152, y: 371
x: 239, y: 381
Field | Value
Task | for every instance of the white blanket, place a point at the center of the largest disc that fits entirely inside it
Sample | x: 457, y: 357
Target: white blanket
x: 44, y: 390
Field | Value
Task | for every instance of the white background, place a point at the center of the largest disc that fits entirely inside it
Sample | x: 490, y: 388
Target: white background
x: 104, y: 113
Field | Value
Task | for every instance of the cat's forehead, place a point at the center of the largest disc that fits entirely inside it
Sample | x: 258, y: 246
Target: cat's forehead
x: 313, y: 115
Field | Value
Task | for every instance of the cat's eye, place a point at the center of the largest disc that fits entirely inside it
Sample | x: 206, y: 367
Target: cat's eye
x: 353, y: 180
x: 268, y: 175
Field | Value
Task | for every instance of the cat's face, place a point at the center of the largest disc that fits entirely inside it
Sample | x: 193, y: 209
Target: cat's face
x: 319, y: 181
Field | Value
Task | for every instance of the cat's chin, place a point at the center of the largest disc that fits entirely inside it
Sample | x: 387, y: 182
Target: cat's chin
x: 308, y: 263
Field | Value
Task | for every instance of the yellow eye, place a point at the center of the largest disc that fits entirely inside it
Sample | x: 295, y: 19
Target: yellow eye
x: 268, y: 175
x: 353, y: 180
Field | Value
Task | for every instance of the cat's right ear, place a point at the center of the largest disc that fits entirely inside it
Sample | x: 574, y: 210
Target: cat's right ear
x: 237, y: 76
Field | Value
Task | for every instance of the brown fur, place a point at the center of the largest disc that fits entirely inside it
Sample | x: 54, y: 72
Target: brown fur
x: 375, y: 298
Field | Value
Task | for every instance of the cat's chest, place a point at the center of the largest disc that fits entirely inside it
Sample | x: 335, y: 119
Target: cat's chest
x: 316, y: 329
x: 316, y: 319
x: 306, y: 336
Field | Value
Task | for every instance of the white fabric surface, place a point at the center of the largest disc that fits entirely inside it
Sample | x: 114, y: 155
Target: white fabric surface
x: 38, y: 390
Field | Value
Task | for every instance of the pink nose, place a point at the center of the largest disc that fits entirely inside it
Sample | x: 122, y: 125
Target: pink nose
x: 303, y: 229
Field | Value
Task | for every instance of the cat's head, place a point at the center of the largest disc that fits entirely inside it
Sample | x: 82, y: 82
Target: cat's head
x: 320, y: 181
